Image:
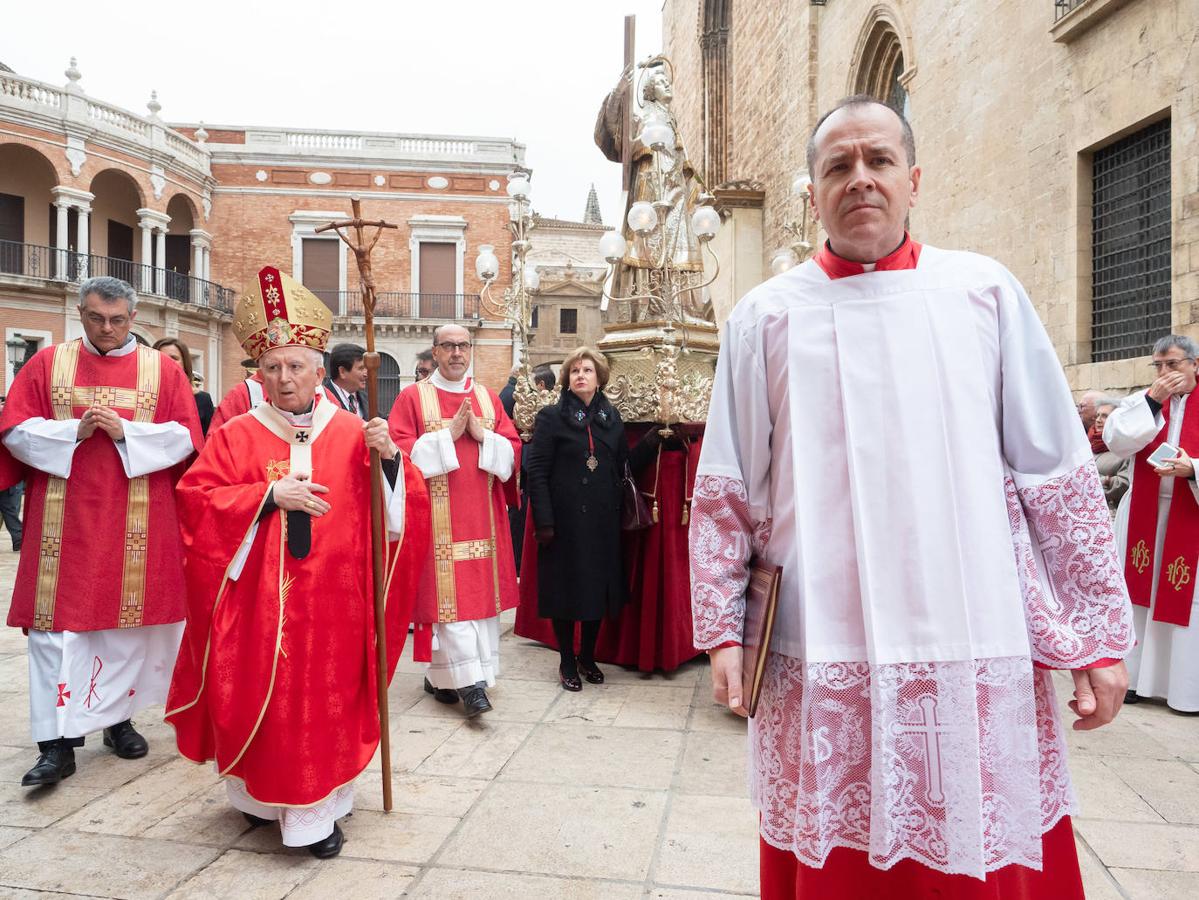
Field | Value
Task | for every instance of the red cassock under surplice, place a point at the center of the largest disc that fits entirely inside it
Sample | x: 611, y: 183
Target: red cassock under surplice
x: 276, y: 675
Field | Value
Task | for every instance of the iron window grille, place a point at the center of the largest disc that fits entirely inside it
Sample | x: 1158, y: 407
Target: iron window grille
x: 1130, y: 244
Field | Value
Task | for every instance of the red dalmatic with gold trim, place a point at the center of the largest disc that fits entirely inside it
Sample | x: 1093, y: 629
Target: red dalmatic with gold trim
x: 103, y: 550
x: 471, y: 573
x: 275, y: 679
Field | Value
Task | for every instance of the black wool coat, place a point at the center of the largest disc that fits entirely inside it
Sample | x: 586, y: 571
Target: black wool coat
x: 580, y: 574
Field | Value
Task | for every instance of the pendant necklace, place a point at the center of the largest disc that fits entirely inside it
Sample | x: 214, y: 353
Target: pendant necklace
x: 592, y: 462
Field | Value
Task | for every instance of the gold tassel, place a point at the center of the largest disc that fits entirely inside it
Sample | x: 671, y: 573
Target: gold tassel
x: 686, y: 512
x: 654, y: 512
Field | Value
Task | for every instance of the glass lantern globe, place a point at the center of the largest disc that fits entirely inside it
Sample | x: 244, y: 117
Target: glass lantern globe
x: 657, y: 135
x: 612, y: 247
x: 705, y: 222
x: 642, y: 218
x: 518, y: 187
x: 487, y: 266
x: 783, y: 260
x: 532, y: 279
x: 801, y: 183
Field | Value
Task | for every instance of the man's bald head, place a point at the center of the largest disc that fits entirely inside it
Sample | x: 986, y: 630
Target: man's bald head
x: 858, y: 101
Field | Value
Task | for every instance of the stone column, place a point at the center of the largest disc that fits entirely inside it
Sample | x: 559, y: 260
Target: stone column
x: 147, y: 280
x: 160, y: 270
x: 81, y: 241
x: 61, y: 239
x: 150, y: 221
x: 208, y: 264
x: 200, y: 241
x: 66, y: 268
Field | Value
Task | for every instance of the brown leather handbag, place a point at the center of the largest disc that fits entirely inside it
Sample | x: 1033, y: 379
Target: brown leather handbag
x: 634, y: 512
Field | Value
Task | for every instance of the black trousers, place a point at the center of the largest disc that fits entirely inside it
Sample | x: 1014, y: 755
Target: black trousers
x: 10, y: 510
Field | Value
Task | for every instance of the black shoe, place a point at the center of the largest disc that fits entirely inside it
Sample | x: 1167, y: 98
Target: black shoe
x: 1183, y: 712
x: 474, y: 700
x: 591, y: 672
x: 330, y: 846
x: 125, y: 741
x: 570, y: 680
x: 1131, y: 697
x: 441, y: 695
x: 258, y: 821
x: 52, y: 766
x: 16, y: 547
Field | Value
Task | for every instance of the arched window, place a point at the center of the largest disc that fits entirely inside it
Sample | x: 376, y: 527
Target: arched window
x: 714, y: 47
x: 881, y: 67
x: 389, y: 383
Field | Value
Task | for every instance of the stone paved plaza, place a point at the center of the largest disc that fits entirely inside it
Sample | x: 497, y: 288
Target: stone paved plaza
x: 631, y: 789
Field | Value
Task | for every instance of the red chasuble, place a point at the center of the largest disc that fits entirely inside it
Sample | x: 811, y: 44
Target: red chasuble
x: 1180, y: 554
x: 275, y: 678
x: 471, y: 573
x: 101, y: 549
x: 234, y: 403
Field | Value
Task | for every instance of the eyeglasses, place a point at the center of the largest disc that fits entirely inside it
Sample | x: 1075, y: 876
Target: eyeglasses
x: 451, y: 346
x: 1171, y: 364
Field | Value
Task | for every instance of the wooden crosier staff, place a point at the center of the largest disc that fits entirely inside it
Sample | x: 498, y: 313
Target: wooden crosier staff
x: 362, y: 253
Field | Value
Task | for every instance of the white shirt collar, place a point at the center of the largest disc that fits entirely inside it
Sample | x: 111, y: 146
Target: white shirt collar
x: 457, y: 387
x: 124, y: 350
x: 300, y: 420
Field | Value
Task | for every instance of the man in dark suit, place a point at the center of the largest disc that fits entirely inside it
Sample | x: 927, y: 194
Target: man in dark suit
x: 346, y: 382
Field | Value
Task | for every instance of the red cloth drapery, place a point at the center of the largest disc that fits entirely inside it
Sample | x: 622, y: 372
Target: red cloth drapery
x: 653, y: 630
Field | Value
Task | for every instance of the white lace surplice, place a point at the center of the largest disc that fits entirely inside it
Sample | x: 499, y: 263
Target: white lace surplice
x: 904, y: 444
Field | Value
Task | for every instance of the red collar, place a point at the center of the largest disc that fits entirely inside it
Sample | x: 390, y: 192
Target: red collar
x: 905, y: 256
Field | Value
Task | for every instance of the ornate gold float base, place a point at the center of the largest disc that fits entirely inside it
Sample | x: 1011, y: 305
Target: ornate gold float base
x: 661, y: 372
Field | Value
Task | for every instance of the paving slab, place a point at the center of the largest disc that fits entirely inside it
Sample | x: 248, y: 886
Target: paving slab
x: 560, y: 830
x: 247, y: 876
x: 459, y: 884
x: 1143, y: 845
x: 356, y: 879
x: 1149, y: 884
x: 710, y: 842
x: 104, y: 864
x: 589, y: 755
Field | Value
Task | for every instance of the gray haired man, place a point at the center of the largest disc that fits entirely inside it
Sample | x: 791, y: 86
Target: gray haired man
x: 1157, y: 525
x: 98, y: 428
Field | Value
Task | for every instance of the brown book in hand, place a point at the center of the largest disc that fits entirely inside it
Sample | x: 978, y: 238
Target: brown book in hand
x: 761, y: 601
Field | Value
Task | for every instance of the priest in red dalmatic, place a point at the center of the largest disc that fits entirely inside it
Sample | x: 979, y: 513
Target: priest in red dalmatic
x: 1157, y: 524
x: 99, y: 428
x: 891, y: 425
x: 466, y: 446
x: 276, y: 676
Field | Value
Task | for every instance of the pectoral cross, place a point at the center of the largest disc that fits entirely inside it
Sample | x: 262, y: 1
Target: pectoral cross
x: 932, y: 731
x: 301, y: 437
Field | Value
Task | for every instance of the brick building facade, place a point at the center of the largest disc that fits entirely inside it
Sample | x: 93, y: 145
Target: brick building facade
x: 1058, y: 137
x: 188, y: 215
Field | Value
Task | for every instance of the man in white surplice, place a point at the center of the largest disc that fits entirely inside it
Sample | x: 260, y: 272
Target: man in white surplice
x: 99, y: 427
x: 1165, y: 662
x: 891, y: 425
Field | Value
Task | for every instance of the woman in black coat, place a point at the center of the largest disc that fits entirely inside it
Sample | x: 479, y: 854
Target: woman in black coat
x: 573, y: 470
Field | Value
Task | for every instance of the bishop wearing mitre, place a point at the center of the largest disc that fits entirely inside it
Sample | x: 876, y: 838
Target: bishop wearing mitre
x: 276, y: 677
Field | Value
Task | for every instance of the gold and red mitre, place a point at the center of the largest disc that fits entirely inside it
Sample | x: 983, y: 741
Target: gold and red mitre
x: 281, y: 313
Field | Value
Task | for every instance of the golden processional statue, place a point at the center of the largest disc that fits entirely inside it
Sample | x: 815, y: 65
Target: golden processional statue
x: 662, y: 342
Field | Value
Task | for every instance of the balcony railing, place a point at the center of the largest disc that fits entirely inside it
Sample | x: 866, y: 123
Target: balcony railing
x: 401, y: 305
x: 52, y: 264
x: 1062, y: 7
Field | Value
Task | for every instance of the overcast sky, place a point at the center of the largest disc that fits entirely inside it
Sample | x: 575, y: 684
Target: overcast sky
x: 533, y: 70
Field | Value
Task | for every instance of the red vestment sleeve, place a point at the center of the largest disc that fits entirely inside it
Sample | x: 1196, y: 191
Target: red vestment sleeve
x: 28, y: 398
x: 234, y: 403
